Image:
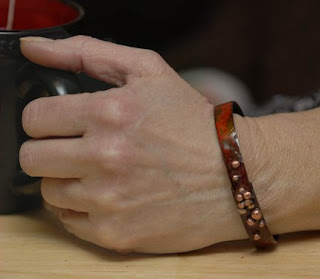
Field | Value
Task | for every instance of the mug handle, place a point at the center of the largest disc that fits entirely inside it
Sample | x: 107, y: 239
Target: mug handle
x: 34, y: 81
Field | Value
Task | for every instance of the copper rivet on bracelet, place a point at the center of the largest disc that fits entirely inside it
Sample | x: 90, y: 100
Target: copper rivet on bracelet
x: 247, y: 195
x: 248, y: 202
x: 235, y: 177
x: 251, y: 206
x: 235, y: 164
x: 262, y: 224
x: 251, y: 222
x: 242, y: 190
x: 242, y: 211
x: 241, y: 205
x: 256, y: 236
x: 256, y: 214
x: 239, y: 197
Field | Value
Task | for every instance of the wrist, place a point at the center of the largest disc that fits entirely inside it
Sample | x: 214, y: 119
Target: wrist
x: 283, y: 176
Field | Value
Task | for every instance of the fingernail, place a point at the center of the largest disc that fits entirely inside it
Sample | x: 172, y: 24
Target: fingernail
x: 35, y: 39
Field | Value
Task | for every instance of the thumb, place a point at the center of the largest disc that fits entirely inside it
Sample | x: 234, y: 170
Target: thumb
x: 109, y: 62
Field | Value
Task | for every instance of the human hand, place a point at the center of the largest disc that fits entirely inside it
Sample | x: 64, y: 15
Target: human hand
x: 133, y: 168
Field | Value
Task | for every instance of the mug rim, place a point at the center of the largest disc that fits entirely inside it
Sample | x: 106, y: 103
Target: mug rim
x: 71, y: 3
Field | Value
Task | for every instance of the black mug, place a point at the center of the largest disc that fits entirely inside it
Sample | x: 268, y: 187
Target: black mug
x: 21, y: 82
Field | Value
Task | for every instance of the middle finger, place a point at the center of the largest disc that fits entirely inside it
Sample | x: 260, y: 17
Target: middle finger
x: 57, y: 158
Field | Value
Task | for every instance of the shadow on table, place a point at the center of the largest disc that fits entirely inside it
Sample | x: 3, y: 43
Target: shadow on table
x: 47, y: 224
x: 245, y: 246
x: 49, y: 227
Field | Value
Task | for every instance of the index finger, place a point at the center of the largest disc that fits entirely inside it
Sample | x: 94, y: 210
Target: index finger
x: 106, y: 61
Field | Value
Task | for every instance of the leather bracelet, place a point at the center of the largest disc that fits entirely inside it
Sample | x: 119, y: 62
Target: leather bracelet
x: 242, y: 188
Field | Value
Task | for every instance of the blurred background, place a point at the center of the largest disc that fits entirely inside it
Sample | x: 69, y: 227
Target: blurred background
x: 271, y: 46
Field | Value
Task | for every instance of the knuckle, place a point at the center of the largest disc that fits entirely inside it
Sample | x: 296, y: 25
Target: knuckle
x: 153, y: 57
x: 116, y: 152
x: 151, y: 62
x: 114, y: 109
x: 110, y: 154
x: 81, y: 46
x: 82, y: 42
x: 80, y: 39
x: 114, y: 200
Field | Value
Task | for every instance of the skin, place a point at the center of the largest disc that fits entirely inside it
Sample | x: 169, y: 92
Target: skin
x: 139, y: 168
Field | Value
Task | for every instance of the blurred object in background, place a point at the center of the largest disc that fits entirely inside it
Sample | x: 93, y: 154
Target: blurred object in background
x: 219, y: 87
x: 272, y: 46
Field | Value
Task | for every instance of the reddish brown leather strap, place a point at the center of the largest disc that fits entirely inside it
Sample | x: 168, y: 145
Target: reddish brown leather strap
x: 242, y: 189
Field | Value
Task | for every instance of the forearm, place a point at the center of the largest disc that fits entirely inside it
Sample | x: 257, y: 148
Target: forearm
x: 281, y: 155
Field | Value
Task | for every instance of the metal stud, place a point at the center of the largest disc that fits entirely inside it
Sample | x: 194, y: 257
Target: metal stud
x: 242, y: 190
x: 247, y: 195
x: 242, y: 211
x: 235, y: 177
x: 248, y: 202
x: 256, y: 214
x: 256, y: 237
x: 241, y: 205
x: 262, y: 224
x: 251, y: 206
x: 239, y: 197
x: 251, y: 222
x: 235, y: 164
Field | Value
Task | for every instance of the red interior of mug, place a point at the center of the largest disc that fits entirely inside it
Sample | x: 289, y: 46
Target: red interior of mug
x: 38, y: 14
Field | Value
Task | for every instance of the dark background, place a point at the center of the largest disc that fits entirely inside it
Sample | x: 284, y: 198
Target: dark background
x: 272, y: 46
x: 145, y: 23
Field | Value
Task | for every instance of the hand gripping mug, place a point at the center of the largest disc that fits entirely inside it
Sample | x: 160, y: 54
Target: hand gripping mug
x: 22, y: 81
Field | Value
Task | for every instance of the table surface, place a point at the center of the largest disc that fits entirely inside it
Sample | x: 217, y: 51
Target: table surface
x: 33, y: 245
